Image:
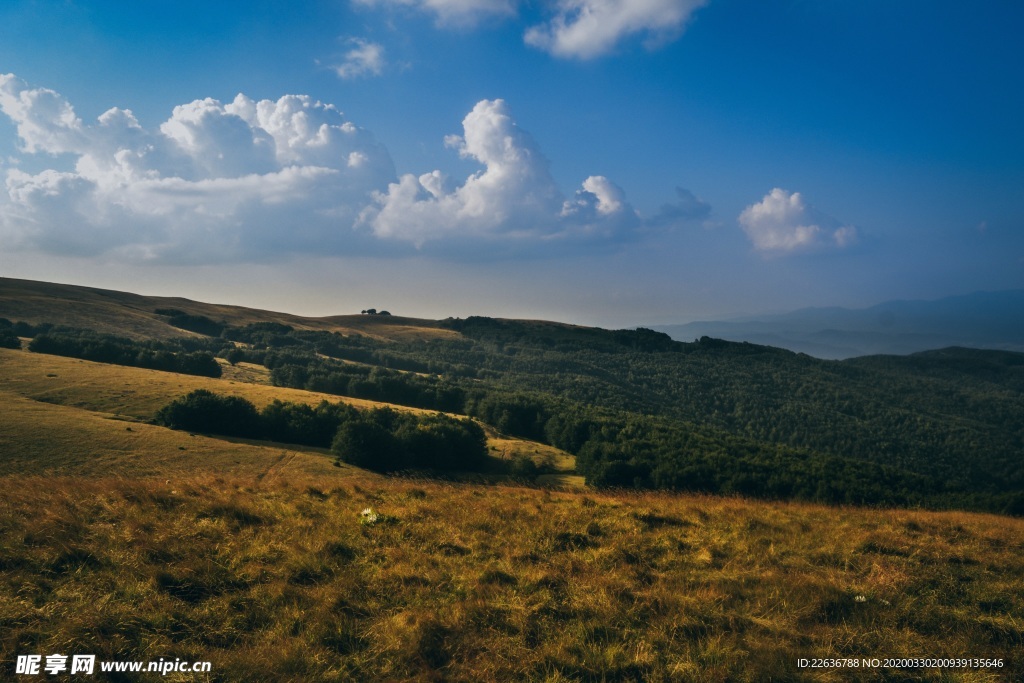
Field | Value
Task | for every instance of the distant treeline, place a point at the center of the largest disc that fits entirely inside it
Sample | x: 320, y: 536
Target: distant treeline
x: 193, y: 323
x: 9, y: 335
x: 641, y: 410
x: 105, y: 348
x: 942, y: 429
x: 383, y: 440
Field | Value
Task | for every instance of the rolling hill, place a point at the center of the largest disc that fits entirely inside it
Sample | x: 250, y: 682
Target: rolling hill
x: 132, y: 541
x: 135, y: 315
x: 637, y: 409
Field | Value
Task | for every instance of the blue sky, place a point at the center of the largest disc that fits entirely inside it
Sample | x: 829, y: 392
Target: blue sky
x: 594, y: 161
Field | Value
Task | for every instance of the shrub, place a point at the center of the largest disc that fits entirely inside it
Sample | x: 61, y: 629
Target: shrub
x: 366, y: 442
x: 206, y: 412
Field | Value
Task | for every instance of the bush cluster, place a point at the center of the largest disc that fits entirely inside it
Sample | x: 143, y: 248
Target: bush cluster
x: 8, y: 339
x: 383, y: 440
x: 105, y: 348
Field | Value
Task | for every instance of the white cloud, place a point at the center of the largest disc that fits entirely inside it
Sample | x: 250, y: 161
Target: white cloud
x: 512, y: 198
x: 364, y: 59
x: 576, y: 29
x: 213, y: 182
x: 453, y: 12
x: 782, y: 222
x: 584, y: 29
x: 257, y: 180
x: 45, y: 121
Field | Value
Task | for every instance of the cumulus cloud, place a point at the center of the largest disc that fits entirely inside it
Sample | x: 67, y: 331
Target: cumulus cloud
x: 782, y: 223
x: 45, y: 121
x: 584, y: 29
x: 256, y: 180
x: 513, y: 197
x: 215, y: 181
x: 453, y: 12
x: 364, y: 59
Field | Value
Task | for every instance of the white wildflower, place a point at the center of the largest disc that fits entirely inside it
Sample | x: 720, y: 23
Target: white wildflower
x: 368, y: 516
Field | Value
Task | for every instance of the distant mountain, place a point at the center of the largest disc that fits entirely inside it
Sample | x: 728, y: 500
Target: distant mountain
x: 983, y: 320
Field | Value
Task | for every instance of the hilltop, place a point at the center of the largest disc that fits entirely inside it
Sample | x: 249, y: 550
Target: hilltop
x: 136, y: 315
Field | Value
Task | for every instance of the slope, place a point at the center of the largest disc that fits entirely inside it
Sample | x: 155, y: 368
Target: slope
x: 136, y: 316
x: 69, y: 416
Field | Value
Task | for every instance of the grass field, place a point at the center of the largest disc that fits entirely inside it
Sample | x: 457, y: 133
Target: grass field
x: 279, y: 580
x: 78, y: 417
x: 127, y: 391
x: 130, y: 541
x: 134, y: 315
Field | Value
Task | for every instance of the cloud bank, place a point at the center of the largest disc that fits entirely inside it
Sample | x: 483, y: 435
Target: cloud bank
x: 213, y: 182
x: 257, y: 180
x: 783, y: 223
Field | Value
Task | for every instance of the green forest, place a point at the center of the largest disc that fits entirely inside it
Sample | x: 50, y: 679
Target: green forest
x: 937, y: 429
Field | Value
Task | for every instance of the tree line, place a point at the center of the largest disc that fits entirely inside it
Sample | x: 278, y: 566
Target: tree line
x: 641, y: 410
x: 105, y: 348
x: 381, y: 439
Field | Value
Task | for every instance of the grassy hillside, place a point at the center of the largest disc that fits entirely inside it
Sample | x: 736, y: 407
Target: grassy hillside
x: 134, y: 542
x: 136, y: 316
x: 130, y: 392
x: 281, y: 580
x: 69, y: 416
x: 941, y: 429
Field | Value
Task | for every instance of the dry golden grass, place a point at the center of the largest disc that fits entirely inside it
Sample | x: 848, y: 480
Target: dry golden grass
x: 132, y: 392
x: 508, y: 449
x: 134, y: 315
x: 37, y: 438
x: 278, y: 580
x: 249, y: 373
x: 254, y: 557
x: 71, y: 416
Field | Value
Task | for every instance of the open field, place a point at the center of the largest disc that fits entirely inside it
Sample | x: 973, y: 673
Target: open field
x: 278, y: 580
x: 254, y: 557
x: 132, y: 392
x: 134, y: 315
x: 70, y: 416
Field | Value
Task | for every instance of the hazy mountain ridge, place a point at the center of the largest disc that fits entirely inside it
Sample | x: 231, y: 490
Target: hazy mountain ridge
x: 984, y: 320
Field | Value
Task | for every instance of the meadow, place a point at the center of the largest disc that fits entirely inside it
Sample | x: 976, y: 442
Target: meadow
x: 284, y: 578
x: 70, y: 416
x: 127, y: 540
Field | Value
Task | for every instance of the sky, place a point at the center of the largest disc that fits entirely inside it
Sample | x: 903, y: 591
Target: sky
x: 601, y: 162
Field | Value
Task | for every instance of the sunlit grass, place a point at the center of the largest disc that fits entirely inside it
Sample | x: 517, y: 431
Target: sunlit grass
x: 260, y: 559
x: 286, y: 580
